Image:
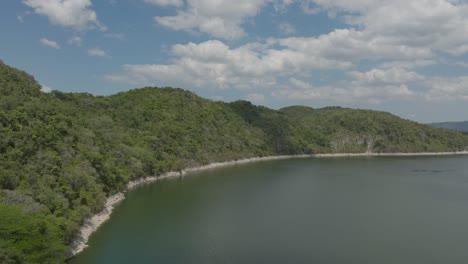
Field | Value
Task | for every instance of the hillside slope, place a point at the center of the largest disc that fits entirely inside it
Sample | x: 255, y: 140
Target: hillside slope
x: 352, y: 130
x: 62, y: 154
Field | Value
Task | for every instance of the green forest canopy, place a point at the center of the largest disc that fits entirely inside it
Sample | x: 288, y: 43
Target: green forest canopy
x: 62, y: 154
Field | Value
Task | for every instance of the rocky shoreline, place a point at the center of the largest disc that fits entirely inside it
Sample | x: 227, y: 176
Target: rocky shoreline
x: 92, y: 224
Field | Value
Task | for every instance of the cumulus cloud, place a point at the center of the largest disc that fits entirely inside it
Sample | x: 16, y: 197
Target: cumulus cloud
x: 388, y: 76
x: 282, y: 5
x: 286, y: 28
x: 49, y: 43
x: 395, y: 39
x: 379, y: 28
x: 339, y: 5
x: 447, y: 88
x: 301, y: 90
x: 68, y: 13
x: 218, y: 18
x: 408, y: 64
x: 46, y: 89
x: 118, y: 36
x: 255, y: 98
x: 461, y: 64
x: 349, y: 46
x: 96, y: 52
x: 177, y: 3
x: 75, y: 40
x: 418, y: 25
x: 215, y: 64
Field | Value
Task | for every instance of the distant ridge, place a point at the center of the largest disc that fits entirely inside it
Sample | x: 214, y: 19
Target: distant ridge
x: 459, y: 126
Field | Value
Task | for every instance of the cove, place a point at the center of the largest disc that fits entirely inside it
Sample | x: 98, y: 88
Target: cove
x: 327, y: 210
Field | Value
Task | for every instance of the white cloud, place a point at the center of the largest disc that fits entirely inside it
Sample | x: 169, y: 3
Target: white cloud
x: 377, y: 86
x: 396, y: 29
x: 281, y: 6
x: 75, y: 40
x: 309, y: 8
x: 286, y: 28
x: 388, y: 76
x: 410, y: 32
x: 419, y: 25
x: 394, y: 39
x: 214, y: 64
x: 217, y: 98
x: 431, y: 88
x: 119, y: 36
x: 218, y: 18
x: 461, y: 64
x: 177, y: 3
x: 46, y: 89
x: 255, y: 98
x: 96, y: 52
x: 49, y: 43
x: 339, y: 5
x: 348, y: 46
x: 408, y: 64
x: 68, y: 13
x: 447, y: 88
x: 21, y: 17
x: 302, y: 90
x: 298, y: 89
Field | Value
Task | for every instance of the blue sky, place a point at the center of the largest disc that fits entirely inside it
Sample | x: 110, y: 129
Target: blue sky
x: 408, y: 57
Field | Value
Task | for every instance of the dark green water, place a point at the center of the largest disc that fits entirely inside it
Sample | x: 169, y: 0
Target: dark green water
x: 329, y: 210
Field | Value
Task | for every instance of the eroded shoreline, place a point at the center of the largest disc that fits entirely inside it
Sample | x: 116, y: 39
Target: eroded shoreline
x: 92, y: 224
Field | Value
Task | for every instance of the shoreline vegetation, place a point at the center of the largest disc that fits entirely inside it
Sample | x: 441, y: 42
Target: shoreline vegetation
x: 93, y: 223
x: 66, y: 156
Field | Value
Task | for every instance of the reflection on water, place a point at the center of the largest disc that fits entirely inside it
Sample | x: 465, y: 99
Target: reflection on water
x: 329, y: 210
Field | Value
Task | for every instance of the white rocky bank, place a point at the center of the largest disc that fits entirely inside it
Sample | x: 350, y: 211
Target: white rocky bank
x: 92, y: 224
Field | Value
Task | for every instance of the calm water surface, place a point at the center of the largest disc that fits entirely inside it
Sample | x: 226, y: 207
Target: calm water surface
x: 328, y: 210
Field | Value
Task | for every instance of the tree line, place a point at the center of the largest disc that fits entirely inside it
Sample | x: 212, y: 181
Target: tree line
x: 62, y: 154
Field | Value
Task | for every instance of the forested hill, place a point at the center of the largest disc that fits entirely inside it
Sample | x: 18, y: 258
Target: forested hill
x: 62, y: 154
x: 351, y: 130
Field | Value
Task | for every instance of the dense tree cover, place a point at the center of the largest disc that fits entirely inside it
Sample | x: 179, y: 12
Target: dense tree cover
x: 68, y: 151
x: 62, y: 154
x: 280, y: 134
x: 352, y: 130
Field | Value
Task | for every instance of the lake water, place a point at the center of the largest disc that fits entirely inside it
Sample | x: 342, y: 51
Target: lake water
x: 327, y: 210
